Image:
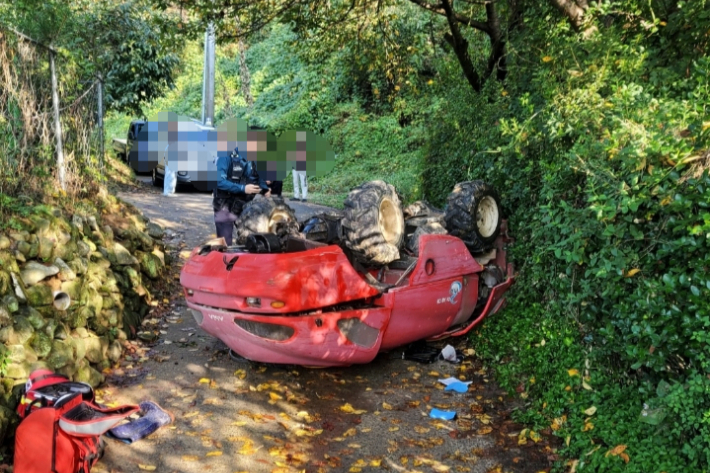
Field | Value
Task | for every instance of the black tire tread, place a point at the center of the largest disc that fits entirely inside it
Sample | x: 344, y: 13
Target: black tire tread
x: 360, y: 223
x: 256, y: 215
x: 460, y: 216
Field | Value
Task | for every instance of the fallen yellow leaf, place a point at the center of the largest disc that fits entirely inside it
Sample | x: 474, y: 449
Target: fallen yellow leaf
x: 347, y: 408
x: 618, y: 450
x: 394, y: 429
x: 591, y: 411
x: 147, y: 467
x: 484, y: 430
x: 215, y: 453
x: 274, y: 396
x: 573, y: 372
x: 386, y: 406
x: 190, y: 458
x: 350, y: 432
x: 546, y: 59
x: 204, y: 381
x: 631, y: 272
x: 376, y: 462
x: 587, y: 427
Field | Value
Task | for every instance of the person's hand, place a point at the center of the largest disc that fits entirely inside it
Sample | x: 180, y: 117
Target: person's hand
x: 252, y: 189
x: 268, y: 182
x: 268, y: 194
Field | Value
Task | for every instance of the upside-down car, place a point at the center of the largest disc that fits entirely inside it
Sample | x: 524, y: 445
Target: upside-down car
x: 341, y: 287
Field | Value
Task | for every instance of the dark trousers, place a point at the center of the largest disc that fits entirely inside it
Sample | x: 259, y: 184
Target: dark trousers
x: 276, y: 187
x: 225, y: 229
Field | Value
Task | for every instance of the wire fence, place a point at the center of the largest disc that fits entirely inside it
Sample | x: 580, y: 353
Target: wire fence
x: 29, y: 149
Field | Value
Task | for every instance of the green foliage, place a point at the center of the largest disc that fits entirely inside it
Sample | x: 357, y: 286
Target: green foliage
x: 597, y: 149
x: 122, y: 45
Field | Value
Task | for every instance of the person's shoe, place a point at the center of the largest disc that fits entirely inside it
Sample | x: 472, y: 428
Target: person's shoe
x: 304, y: 200
x: 294, y: 199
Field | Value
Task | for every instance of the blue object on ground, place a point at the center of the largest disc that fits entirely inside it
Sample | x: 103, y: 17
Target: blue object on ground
x: 444, y: 415
x: 458, y: 386
x: 154, y: 417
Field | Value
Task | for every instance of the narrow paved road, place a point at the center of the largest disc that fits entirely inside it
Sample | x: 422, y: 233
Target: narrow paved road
x: 242, y: 417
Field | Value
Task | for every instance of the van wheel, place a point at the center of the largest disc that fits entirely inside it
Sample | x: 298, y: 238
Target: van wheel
x: 266, y: 215
x: 473, y: 214
x: 157, y: 182
x: 373, y: 223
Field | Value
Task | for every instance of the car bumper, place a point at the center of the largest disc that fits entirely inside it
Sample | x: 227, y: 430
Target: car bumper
x: 324, y: 339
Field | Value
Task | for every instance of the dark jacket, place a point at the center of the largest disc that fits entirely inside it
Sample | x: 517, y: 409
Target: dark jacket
x: 233, y: 175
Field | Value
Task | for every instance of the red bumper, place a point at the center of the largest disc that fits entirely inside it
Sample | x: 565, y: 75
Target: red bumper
x: 326, y: 339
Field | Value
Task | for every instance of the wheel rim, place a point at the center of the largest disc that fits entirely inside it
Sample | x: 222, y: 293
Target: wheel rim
x: 487, y: 216
x: 389, y: 221
x: 276, y: 219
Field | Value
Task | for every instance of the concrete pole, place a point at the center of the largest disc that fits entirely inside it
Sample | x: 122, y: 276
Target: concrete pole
x: 209, y: 89
x: 204, y: 75
x: 61, y: 168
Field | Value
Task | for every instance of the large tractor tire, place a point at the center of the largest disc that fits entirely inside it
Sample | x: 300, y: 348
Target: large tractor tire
x: 266, y: 215
x: 373, y: 223
x: 473, y: 214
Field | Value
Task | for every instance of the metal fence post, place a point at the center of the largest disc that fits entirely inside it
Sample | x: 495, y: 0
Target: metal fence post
x: 100, y: 86
x: 61, y: 168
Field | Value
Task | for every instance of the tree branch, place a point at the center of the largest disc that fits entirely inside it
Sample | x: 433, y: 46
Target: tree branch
x: 462, y: 19
x: 460, y: 45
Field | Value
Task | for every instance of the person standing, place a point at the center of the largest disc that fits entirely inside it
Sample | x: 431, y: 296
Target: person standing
x: 238, y: 182
x: 300, y: 177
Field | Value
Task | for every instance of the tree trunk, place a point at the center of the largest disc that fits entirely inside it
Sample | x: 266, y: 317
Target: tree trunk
x: 572, y: 9
x: 460, y: 46
x: 244, y: 75
x: 496, y: 61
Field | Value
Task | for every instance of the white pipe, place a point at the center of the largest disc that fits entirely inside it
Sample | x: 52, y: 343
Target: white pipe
x: 62, y: 301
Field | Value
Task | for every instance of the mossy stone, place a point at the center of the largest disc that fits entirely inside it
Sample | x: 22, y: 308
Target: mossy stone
x: 60, y: 355
x: 78, y: 346
x: 151, y: 265
x: 4, y: 242
x: 23, y: 329
x: 39, y: 295
x: 11, y: 303
x: 5, y: 282
x: 8, y: 262
x: 41, y: 344
x: 50, y: 328
x: 89, y: 375
x: 17, y: 370
x: 34, y: 317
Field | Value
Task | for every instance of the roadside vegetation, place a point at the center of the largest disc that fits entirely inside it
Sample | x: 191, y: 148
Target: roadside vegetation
x: 590, y: 118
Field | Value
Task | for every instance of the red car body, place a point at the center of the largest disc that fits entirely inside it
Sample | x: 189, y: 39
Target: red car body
x: 314, y: 308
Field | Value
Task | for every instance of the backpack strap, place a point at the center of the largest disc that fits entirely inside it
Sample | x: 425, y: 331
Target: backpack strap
x: 87, y: 419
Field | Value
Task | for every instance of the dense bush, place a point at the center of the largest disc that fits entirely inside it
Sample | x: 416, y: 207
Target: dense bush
x: 600, y: 147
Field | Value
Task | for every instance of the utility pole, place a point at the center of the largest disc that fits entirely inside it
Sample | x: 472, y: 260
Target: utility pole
x: 204, y: 75
x: 209, y: 73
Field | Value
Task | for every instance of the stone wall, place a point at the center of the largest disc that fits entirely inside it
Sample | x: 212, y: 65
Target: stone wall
x: 72, y: 289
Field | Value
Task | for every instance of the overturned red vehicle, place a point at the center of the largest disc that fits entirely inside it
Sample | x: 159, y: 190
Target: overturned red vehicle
x: 310, y: 303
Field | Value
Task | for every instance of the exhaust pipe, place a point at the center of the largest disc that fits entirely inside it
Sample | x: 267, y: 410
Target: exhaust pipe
x: 62, y: 301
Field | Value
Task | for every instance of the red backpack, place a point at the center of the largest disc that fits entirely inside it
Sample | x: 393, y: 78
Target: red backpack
x: 63, y: 434
x: 44, y: 387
